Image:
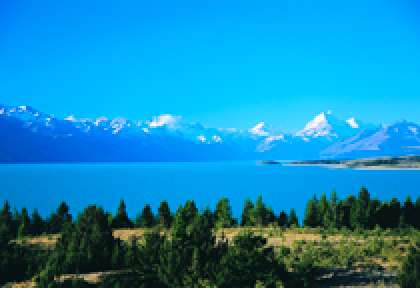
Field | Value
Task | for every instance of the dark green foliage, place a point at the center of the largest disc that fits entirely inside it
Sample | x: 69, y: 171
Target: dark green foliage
x: 17, y: 262
x: 305, y: 272
x: 144, y: 260
x: 121, y: 220
x: 24, y: 227
x: 223, y: 214
x: 75, y: 283
x: 164, y: 215
x: 247, y: 218
x: 293, y: 219
x: 247, y: 261
x: 187, y: 254
x: 60, y: 218
x: 283, y: 219
x: 38, y: 225
x: 410, y: 273
x: 7, y: 231
x: 146, y: 219
x: 361, y: 212
x: 262, y: 215
x: 408, y: 214
x: 312, y: 214
x: 85, y: 246
x: 125, y: 280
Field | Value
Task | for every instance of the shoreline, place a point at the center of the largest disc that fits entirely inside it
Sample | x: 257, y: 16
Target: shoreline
x: 344, y: 166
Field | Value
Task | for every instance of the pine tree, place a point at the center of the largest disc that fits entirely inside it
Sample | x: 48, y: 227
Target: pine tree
x: 360, y: 212
x: 408, y: 213
x: 60, y: 218
x: 417, y: 212
x: 394, y: 213
x: 146, y: 219
x: 25, y: 224
x: 247, y: 218
x: 6, y: 223
x: 345, y: 211
x: 312, y: 216
x: 293, y: 219
x: 121, y: 220
x: 37, y: 223
x: 334, y: 213
x: 283, y: 219
x: 223, y: 214
x: 164, y: 215
x: 260, y: 212
x: 85, y: 246
x: 363, y: 208
x: 324, y: 211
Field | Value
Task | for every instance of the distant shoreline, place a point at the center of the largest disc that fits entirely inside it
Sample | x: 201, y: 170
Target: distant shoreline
x: 380, y: 163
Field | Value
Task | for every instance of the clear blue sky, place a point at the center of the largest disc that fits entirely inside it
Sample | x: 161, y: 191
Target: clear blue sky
x: 223, y: 63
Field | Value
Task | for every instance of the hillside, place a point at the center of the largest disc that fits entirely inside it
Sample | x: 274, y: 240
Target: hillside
x: 32, y: 136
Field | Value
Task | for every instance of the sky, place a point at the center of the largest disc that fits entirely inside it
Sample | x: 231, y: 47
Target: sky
x: 222, y: 63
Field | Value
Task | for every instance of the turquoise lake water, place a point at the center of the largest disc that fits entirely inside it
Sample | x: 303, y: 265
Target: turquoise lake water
x: 282, y: 187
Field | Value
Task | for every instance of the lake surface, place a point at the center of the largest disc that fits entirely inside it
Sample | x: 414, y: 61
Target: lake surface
x: 282, y: 187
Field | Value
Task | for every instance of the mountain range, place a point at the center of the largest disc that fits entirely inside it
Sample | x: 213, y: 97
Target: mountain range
x: 31, y: 136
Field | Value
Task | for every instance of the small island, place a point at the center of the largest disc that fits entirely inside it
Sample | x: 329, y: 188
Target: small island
x: 400, y: 162
x: 269, y: 162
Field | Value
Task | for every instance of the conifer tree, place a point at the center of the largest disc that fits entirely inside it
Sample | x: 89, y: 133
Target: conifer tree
x: 24, y: 224
x: 312, y: 215
x: 293, y: 219
x: 223, y: 214
x: 283, y: 220
x: 85, y: 246
x: 324, y: 211
x: 260, y: 212
x: 363, y: 209
x: 37, y: 223
x: 61, y: 217
x: 6, y: 223
x: 146, y: 219
x: 334, y: 213
x: 121, y: 220
x: 164, y: 215
x: 394, y: 213
x: 417, y: 212
x: 247, y: 218
x: 408, y: 213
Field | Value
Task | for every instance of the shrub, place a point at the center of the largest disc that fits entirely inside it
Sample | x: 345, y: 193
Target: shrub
x: 410, y: 273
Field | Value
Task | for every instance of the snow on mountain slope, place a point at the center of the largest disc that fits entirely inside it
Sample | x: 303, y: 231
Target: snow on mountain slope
x: 327, y: 126
x: 169, y: 138
x: 400, y: 138
x: 260, y: 129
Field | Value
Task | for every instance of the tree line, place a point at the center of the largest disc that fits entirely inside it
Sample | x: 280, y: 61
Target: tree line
x: 361, y: 212
x: 187, y: 253
x: 21, y: 223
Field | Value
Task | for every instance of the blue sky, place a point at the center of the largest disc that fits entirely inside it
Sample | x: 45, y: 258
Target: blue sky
x: 223, y: 63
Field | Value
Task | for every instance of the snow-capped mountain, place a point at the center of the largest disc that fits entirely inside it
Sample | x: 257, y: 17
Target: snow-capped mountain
x: 401, y: 138
x: 326, y: 126
x: 29, y: 135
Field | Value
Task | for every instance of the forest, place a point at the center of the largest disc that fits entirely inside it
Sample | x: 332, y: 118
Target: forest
x: 190, y: 247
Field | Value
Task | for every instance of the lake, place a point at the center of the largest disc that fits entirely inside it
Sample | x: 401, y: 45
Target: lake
x: 43, y: 186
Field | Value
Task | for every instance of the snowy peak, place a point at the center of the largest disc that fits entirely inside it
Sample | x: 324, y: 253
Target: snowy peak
x: 167, y: 120
x: 317, y: 127
x: 353, y: 123
x: 326, y: 125
x: 260, y: 129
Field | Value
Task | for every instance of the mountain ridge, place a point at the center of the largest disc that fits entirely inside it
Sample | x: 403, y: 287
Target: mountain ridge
x: 29, y: 135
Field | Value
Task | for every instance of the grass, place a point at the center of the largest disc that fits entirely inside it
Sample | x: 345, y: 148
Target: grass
x: 371, y: 257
